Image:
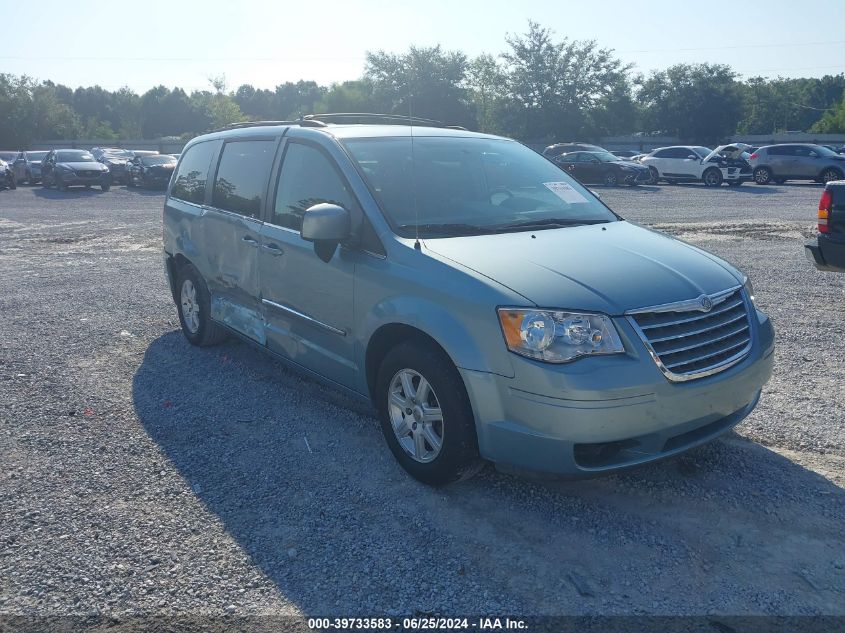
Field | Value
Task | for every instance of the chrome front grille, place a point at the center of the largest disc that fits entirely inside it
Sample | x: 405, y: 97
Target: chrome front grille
x: 696, y: 338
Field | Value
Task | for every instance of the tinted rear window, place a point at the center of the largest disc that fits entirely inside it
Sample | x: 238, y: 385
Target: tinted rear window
x: 189, y: 184
x: 242, y: 176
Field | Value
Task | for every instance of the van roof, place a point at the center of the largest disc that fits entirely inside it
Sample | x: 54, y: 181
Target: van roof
x: 343, y: 131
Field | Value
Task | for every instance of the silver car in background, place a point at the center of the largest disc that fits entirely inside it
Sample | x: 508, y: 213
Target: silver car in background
x: 796, y: 161
x: 27, y: 166
x: 487, y: 304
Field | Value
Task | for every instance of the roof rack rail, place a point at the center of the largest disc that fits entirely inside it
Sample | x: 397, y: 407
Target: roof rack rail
x: 303, y: 122
x: 367, y: 117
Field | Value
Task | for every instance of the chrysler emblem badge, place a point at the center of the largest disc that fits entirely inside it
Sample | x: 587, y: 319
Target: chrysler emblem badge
x: 706, y: 303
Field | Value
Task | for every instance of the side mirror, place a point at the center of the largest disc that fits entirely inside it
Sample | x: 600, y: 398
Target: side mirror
x: 327, y: 225
x: 692, y: 157
x: 595, y: 161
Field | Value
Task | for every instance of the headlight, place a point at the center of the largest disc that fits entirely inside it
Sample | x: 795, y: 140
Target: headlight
x: 749, y: 289
x: 558, y: 336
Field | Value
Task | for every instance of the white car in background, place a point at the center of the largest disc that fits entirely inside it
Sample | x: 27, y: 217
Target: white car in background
x: 694, y: 163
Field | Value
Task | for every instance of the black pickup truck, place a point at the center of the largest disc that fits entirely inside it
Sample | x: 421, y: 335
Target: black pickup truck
x: 827, y: 251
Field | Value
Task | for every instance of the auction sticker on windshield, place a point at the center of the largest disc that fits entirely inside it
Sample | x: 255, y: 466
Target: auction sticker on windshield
x: 565, y: 192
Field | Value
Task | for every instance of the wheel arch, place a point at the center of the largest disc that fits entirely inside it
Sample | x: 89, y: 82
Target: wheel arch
x: 836, y: 168
x: 386, y: 338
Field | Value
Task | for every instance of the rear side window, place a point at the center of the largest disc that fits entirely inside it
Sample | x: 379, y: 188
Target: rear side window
x: 783, y: 150
x: 189, y: 184
x: 242, y: 176
x: 663, y: 153
x: 308, y: 178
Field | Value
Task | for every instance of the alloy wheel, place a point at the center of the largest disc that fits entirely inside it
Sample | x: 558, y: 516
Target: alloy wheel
x: 415, y: 415
x: 190, y: 306
x: 830, y: 175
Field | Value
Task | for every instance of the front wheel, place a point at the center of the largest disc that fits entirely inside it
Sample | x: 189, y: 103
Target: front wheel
x: 712, y: 178
x: 830, y: 174
x: 654, y: 175
x: 105, y: 186
x: 194, y: 307
x: 425, y: 414
x: 762, y: 175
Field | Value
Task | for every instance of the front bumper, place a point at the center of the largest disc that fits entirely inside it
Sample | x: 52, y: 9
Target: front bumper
x: 639, y: 177
x: 85, y: 178
x: 156, y: 179
x: 606, y: 413
x: 826, y: 254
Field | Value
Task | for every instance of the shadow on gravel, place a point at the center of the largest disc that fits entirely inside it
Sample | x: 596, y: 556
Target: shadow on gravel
x: 308, y: 489
x: 143, y: 191
x: 70, y: 194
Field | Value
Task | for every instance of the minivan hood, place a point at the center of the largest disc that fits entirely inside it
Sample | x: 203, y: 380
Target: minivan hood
x: 607, y: 268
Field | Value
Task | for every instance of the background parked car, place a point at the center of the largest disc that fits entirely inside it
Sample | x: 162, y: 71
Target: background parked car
x: 8, y: 156
x: 691, y: 163
x: 150, y: 171
x: 7, y: 176
x: 564, y: 148
x: 796, y: 161
x: 732, y: 160
x: 827, y: 251
x: 603, y: 167
x: 27, y: 167
x: 64, y: 168
x: 625, y: 153
x: 116, y: 160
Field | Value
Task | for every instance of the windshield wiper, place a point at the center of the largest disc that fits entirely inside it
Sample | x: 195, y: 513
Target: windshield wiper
x: 446, y: 229
x: 547, y: 222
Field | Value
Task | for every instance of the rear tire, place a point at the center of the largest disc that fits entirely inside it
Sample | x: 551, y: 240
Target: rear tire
x: 193, y: 302
x: 399, y: 391
x: 762, y: 175
x: 611, y: 179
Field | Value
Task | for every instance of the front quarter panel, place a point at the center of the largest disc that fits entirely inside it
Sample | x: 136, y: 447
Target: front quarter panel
x: 449, y: 304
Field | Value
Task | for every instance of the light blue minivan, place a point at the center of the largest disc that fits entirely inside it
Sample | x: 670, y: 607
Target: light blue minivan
x: 488, y: 305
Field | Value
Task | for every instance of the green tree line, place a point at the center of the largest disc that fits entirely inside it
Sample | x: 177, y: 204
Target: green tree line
x: 539, y: 88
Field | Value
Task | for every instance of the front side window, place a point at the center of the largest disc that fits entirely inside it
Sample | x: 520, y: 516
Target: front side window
x: 189, y: 184
x: 448, y: 186
x: 242, y: 176
x: 308, y: 178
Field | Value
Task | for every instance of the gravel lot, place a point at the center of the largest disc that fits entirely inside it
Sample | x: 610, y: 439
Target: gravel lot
x: 140, y: 475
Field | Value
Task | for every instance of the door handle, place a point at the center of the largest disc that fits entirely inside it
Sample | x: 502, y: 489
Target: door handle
x: 250, y: 241
x: 274, y: 249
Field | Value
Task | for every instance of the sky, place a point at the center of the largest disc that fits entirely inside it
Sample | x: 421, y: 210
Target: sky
x: 185, y: 43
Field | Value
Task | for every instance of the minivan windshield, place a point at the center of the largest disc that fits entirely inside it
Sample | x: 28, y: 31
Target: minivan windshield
x: 450, y: 186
